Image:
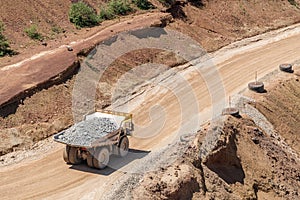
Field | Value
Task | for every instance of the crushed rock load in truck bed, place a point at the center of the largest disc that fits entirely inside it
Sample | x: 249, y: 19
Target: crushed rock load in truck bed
x: 86, y: 132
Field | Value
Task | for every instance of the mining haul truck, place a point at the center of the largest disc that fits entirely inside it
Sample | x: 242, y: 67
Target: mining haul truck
x: 98, y: 136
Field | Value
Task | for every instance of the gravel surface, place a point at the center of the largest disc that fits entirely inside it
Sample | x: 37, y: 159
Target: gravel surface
x: 86, y: 132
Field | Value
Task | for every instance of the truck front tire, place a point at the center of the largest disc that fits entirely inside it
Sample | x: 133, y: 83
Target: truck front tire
x: 123, y: 146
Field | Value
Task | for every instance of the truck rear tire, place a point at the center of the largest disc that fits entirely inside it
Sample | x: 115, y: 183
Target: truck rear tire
x: 89, y: 160
x: 66, y: 154
x: 101, y: 158
x: 123, y: 146
x: 74, y: 156
x: 90, y: 157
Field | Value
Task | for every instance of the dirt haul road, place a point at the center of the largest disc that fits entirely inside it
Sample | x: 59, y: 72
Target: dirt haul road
x: 49, y: 177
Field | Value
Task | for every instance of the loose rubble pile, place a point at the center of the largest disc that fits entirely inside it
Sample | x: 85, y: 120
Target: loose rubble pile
x: 86, y: 132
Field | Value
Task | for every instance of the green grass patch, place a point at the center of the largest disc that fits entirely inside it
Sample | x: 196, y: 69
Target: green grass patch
x: 33, y: 33
x: 57, y: 29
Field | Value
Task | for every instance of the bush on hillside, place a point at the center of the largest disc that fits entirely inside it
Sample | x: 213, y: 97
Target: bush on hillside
x: 33, y: 33
x: 119, y: 7
x: 82, y: 15
x: 114, y: 8
x: 143, y: 4
x: 4, y: 44
x: 106, y: 13
x: 167, y: 3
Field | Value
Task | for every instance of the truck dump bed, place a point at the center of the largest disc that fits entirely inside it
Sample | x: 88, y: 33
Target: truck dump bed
x: 97, y: 128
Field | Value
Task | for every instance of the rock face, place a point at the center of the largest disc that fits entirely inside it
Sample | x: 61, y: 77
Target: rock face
x: 224, y: 161
x: 86, y: 132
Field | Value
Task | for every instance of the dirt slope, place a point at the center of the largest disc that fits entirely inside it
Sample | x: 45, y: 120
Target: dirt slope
x: 212, y: 23
x: 20, y: 14
x: 220, y: 22
x: 282, y: 107
x: 33, y: 75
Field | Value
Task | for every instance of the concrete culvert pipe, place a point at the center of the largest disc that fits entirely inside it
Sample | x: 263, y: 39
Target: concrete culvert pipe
x: 256, y: 86
x: 231, y: 111
x: 286, y: 67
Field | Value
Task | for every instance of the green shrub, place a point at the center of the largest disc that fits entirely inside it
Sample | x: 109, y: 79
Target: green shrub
x: 33, y: 33
x: 143, y: 4
x: 119, y: 7
x: 106, y: 13
x: 83, y: 15
x: 56, y: 29
x: 4, y: 44
x: 114, y: 8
